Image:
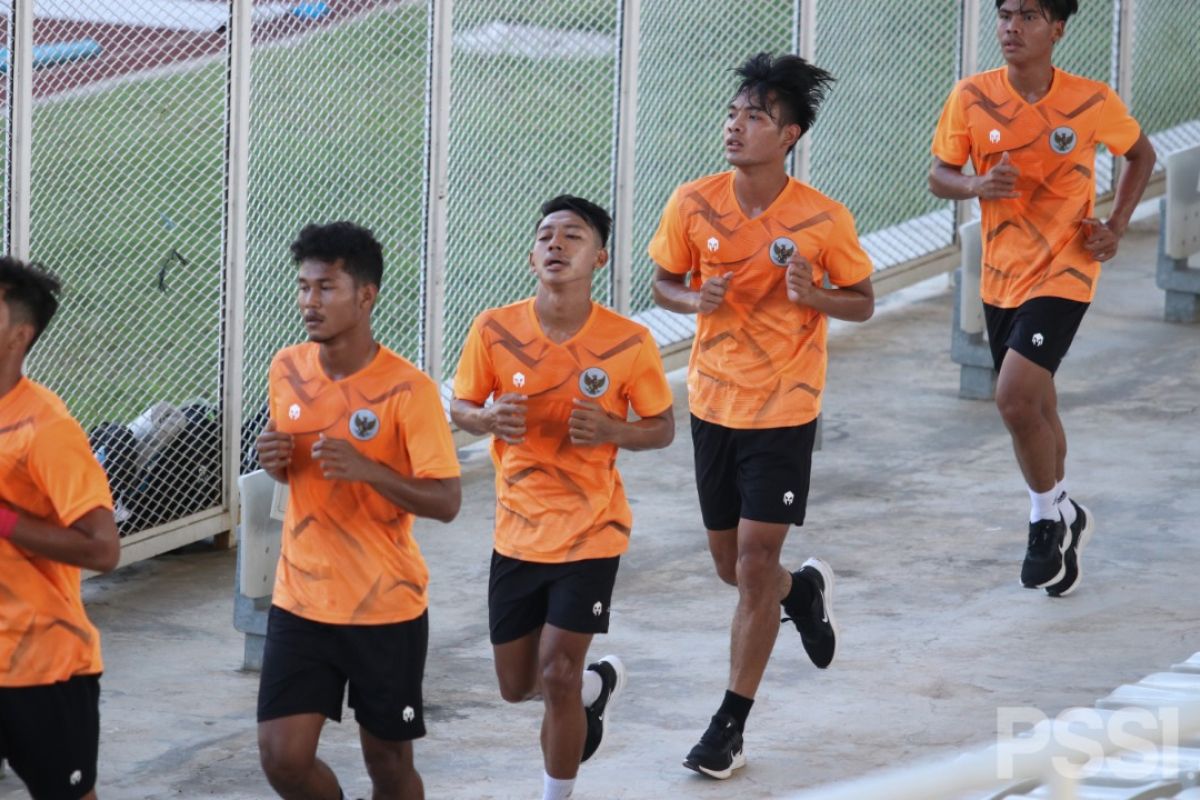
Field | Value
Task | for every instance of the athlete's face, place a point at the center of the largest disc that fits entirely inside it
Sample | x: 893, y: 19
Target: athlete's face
x: 330, y: 301
x: 15, y: 332
x: 1026, y: 32
x: 566, y: 249
x: 753, y: 134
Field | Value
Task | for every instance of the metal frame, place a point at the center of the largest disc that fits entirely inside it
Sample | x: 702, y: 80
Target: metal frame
x: 629, y: 16
x: 1179, y: 237
x: 20, y: 126
x: 437, y: 170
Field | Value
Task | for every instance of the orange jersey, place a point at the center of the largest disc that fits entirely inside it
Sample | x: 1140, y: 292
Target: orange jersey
x: 1033, y: 244
x: 348, y: 555
x: 47, y: 470
x: 758, y: 361
x: 556, y: 501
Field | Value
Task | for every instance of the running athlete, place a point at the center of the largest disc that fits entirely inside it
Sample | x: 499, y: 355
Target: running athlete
x: 563, y: 373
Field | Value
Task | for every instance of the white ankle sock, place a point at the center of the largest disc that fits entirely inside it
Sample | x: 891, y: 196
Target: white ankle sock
x: 1064, y: 503
x: 1041, y: 505
x: 592, y: 684
x: 555, y: 789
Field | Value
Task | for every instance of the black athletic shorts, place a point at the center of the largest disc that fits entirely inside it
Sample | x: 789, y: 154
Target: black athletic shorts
x: 524, y: 595
x: 307, y: 664
x: 756, y: 474
x: 51, y: 736
x: 1040, y: 329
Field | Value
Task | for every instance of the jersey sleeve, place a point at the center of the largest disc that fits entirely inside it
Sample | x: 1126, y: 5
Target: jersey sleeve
x: 649, y: 392
x: 427, y: 436
x: 671, y: 248
x: 843, y: 257
x: 63, y: 467
x: 1117, y: 129
x: 952, y: 140
x: 475, y: 378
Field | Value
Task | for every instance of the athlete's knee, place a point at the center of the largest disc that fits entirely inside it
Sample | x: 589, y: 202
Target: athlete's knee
x: 1018, y: 409
x: 726, y: 565
x: 517, y: 689
x: 391, y: 769
x: 757, y: 570
x: 562, y: 678
x: 284, y: 764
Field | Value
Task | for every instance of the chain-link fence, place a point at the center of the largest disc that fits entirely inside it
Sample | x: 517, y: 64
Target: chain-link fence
x: 133, y: 141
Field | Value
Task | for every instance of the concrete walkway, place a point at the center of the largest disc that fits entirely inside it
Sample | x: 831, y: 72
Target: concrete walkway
x: 917, y: 503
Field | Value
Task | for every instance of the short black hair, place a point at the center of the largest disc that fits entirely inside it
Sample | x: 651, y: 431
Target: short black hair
x: 360, y: 253
x: 595, y: 216
x: 794, y: 86
x: 31, y: 293
x: 1056, y: 10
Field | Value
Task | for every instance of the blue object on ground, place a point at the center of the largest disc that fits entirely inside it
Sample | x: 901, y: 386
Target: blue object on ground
x: 310, y: 11
x: 48, y: 55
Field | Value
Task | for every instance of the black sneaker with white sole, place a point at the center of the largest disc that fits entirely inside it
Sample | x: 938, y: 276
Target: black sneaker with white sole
x: 612, y: 680
x: 719, y: 751
x: 1081, y: 533
x: 1048, y: 541
x: 818, y: 629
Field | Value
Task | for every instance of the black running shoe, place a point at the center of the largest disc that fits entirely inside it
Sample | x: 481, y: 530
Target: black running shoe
x: 818, y: 629
x: 1048, y: 540
x: 1081, y: 533
x: 612, y: 680
x: 719, y: 752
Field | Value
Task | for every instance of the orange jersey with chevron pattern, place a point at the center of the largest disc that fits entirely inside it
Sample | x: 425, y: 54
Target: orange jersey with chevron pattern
x: 348, y: 555
x: 1033, y: 244
x: 47, y: 470
x: 758, y: 361
x: 556, y: 501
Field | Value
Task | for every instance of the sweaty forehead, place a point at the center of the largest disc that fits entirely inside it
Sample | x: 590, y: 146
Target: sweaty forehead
x: 562, y: 219
x: 312, y: 269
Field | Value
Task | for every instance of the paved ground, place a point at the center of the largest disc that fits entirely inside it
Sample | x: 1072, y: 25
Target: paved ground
x: 917, y: 503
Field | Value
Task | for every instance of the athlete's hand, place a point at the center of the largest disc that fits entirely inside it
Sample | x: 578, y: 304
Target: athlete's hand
x: 1099, y: 239
x: 340, y: 461
x: 1000, y: 182
x: 506, y: 418
x: 590, y: 424
x: 274, y: 448
x: 799, y: 280
x: 712, y: 293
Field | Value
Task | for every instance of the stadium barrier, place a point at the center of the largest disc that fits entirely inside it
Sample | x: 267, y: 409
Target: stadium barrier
x: 1179, y: 236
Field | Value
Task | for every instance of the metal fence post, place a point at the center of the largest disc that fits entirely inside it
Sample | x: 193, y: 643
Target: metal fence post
x: 630, y: 13
x: 20, y: 125
x: 1122, y: 66
x: 237, y: 157
x: 806, y: 43
x: 968, y: 64
x: 436, y: 201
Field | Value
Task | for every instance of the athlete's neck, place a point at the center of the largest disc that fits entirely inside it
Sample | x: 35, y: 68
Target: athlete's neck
x: 1032, y: 80
x: 561, y: 314
x: 347, y: 353
x: 756, y: 187
x: 10, y: 376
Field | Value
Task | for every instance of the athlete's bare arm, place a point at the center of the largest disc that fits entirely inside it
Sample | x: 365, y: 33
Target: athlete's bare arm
x: 592, y: 425
x: 949, y: 183
x: 504, y: 418
x: 1103, y: 237
x: 855, y: 303
x: 274, y: 451
x: 91, y: 543
x: 673, y: 294
x: 435, y: 498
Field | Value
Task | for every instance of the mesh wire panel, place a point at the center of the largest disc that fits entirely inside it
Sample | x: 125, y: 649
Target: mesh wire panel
x: 337, y: 133
x: 1086, y: 49
x: 127, y: 198
x: 1166, y: 61
x: 6, y: 10
x: 531, y: 116
x: 685, y: 82
x: 870, y: 145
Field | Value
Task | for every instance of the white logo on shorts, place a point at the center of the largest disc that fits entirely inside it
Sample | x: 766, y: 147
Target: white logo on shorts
x: 713, y: 244
x: 294, y: 411
x: 597, y: 609
x: 994, y: 136
x: 788, y: 498
x: 518, y: 379
x: 76, y: 778
x: 1038, y: 340
x: 409, y: 714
